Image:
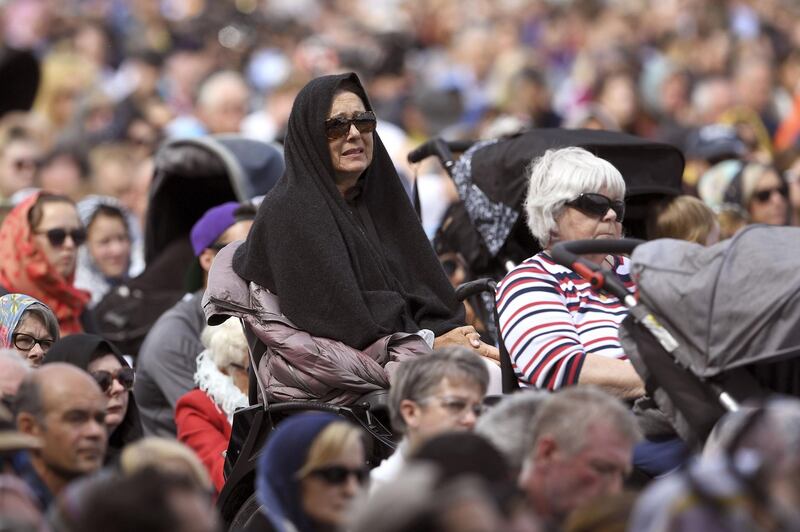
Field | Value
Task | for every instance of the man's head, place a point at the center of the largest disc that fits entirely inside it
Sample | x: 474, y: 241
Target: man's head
x: 582, y: 442
x: 64, y: 407
x: 218, y: 227
x: 222, y: 102
x: 438, y: 393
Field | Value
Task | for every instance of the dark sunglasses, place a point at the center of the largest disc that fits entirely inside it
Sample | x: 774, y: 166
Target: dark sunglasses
x: 59, y: 235
x: 339, y: 126
x: 25, y: 342
x: 335, y: 475
x: 123, y: 375
x: 598, y: 205
x: 763, y: 196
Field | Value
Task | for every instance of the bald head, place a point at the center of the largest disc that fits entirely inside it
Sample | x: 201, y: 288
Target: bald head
x: 222, y: 102
x: 13, y: 369
x: 63, y: 406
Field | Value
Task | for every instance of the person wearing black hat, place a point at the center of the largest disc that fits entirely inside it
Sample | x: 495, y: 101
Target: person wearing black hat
x: 359, y: 267
x: 103, y: 361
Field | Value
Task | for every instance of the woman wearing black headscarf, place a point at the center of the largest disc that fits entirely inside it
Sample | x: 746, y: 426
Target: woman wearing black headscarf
x: 105, y: 363
x: 337, y: 239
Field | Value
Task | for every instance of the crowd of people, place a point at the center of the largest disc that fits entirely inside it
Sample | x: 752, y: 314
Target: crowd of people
x: 207, y: 205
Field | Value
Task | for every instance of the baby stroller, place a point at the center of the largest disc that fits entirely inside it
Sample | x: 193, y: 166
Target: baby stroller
x: 711, y: 327
x: 487, y: 226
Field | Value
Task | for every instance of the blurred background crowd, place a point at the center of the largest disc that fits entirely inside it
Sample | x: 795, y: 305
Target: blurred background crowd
x: 89, y: 91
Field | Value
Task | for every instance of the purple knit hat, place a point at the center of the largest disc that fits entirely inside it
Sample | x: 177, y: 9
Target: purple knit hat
x: 211, y: 225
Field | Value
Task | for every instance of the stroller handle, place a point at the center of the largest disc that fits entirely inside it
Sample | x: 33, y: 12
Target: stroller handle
x: 568, y: 254
x: 439, y: 147
x: 469, y: 289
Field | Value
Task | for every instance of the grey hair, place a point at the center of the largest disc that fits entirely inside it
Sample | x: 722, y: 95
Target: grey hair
x: 46, y: 316
x: 419, y: 378
x: 13, y: 357
x: 226, y: 343
x: 569, y: 413
x: 211, y: 88
x: 29, y: 397
x: 507, y: 425
x: 561, y: 175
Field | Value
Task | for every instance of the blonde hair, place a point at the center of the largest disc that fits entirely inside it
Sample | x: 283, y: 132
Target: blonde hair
x: 64, y: 74
x: 683, y: 218
x: 225, y: 343
x: 164, y: 455
x: 329, y: 445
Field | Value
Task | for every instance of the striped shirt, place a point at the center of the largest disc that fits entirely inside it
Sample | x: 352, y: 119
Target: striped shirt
x: 551, y: 318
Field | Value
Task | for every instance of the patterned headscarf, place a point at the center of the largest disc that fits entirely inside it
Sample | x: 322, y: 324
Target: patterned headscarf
x: 25, y: 269
x: 12, y: 307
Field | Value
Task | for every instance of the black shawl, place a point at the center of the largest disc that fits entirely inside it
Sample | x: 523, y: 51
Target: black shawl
x: 334, y: 276
x: 79, y: 350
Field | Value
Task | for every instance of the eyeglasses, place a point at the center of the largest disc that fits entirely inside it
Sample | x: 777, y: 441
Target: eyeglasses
x: 763, y: 196
x: 339, y: 126
x: 598, y: 205
x: 59, y: 235
x: 456, y: 406
x: 124, y: 376
x: 336, y: 475
x: 25, y: 342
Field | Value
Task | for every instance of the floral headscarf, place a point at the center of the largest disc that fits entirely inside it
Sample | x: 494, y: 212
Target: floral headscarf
x: 25, y: 269
x: 12, y: 307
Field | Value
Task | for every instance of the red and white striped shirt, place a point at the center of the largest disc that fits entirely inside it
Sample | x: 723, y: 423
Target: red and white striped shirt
x: 551, y: 318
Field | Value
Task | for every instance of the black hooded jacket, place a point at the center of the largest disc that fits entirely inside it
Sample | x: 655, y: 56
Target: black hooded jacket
x: 352, y: 271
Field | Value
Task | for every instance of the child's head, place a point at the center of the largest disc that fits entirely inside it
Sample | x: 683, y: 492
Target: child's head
x: 684, y: 218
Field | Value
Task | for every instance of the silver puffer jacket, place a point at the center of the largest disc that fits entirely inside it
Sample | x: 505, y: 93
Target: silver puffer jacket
x: 296, y: 365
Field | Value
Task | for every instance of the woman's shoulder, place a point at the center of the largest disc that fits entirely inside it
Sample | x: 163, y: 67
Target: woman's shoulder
x: 195, y: 399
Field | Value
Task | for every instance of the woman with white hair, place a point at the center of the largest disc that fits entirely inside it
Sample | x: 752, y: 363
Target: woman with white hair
x: 557, y: 329
x: 204, y: 415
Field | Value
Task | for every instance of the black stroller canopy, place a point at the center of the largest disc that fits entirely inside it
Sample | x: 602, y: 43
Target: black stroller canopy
x: 730, y: 305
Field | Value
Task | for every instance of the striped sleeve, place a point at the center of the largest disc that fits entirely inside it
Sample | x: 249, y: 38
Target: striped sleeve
x: 537, y: 328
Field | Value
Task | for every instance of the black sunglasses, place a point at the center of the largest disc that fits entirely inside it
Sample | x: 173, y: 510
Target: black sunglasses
x: 763, y: 196
x: 25, y: 342
x: 123, y: 375
x: 598, y: 205
x: 336, y: 475
x: 339, y: 126
x: 58, y: 236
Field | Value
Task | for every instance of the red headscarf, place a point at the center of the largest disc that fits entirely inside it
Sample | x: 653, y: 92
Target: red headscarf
x: 24, y: 269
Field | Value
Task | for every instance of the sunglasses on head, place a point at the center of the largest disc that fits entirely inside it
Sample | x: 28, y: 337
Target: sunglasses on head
x: 335, y: 475
x: 763, y: 196
x: 597, y: 205
x: 25, y: 342
x: 339, y: 126
x: 124, y: 376
x: 59, y: 235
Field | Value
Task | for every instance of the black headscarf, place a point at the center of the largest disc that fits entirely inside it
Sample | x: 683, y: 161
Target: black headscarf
x: 79, y: 350
x: 335, y: 277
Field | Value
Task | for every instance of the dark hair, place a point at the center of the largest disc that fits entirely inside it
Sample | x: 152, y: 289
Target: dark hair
x: 36, y: 213
x: 29, y: 397
x: 245, y: 212
x: 111, y: 212
x: 74, y: 152
x: 118, y: 504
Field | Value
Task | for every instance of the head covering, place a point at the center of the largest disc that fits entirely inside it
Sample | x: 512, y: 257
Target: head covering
x: 211, y: 225
x: 333, y: 277
x: 88, y: 276
x: 286, y: 451
x: 714, y: 143
x: 12, y: 307
x: 79, y: 350
x: 24, y: 269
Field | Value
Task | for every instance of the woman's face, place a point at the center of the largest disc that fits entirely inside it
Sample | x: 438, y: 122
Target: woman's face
x: 58, y: 215
x: 351, y: 154
x: 32, y: 326
x: 109, y: 245
x: 769, y: 203
x: 328, y: 503
x: 574, y: 224
x: 117, y: 395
